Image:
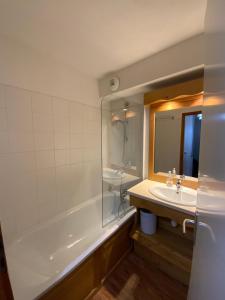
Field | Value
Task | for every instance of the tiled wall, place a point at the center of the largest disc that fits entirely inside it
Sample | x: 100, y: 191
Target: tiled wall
x: 49, y: 157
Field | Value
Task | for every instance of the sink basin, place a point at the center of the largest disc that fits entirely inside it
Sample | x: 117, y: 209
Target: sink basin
x: 186, y: 196
x: 112, y: 174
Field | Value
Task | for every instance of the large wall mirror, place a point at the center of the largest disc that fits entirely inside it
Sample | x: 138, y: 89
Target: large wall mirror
x: 175, y: 129
x: 177, y: 141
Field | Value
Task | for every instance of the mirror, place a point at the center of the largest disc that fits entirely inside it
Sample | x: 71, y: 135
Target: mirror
x: 177, y: 140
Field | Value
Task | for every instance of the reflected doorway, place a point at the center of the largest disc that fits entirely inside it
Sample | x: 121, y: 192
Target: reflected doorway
x: 190, y: 143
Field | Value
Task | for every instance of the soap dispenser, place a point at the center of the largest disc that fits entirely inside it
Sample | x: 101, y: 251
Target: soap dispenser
x: 169, y: 180
x: 174, y: 174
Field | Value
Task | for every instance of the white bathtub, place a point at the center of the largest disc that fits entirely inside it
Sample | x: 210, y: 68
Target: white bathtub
x: 46, y: 254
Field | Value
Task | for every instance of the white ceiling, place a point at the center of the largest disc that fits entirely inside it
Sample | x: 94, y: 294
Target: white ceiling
x: 100, y: 36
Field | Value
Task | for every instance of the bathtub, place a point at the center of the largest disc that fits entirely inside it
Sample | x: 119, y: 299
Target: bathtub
x: 45, y: 255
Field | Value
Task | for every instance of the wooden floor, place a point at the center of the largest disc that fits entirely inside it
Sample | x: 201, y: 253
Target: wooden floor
x: 134, y: 279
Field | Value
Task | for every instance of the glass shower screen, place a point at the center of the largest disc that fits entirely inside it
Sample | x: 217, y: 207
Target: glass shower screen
x: 122, y: 153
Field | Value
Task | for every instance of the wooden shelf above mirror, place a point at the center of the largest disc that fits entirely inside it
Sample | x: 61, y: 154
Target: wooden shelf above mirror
x: 176, y: 91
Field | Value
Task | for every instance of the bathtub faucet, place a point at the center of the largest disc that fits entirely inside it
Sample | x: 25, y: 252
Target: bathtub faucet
x: 123, y: 193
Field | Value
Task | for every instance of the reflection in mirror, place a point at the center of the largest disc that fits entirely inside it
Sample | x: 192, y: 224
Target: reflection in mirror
x: 177, y: 141
x: 190, y: 143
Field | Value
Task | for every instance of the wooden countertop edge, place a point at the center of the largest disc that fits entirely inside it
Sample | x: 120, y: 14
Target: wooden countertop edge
x: 163, y: 203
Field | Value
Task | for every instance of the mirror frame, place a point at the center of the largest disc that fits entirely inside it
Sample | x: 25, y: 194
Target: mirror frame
x: 165, y: 105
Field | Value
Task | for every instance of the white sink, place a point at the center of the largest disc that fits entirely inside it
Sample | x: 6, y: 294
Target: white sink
x: 112, y: 174
x: 186, y: 196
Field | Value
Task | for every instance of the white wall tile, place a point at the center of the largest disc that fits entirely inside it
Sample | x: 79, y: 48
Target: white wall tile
x: 92, y: 170
x: 4, y: 142
x: 62, y: 140
x: 91, y: 155
x: 45, y: 159
x: 17, y: 184
x: 2, y: 96
x: 76, y: 140
x: 64, y: 183
x: 91, y: 140
x: 20, y: 121
x: 41, y: 103
x: 4, y: 167
x: 24, y: 192
x: 60, y: 107
x: 21, y: 141
x: 92, y: 118
x: 70, y: 185
x: 92, y: 114
x: 62, y: 157
x: 46, y: 186
x: 3, y: 120
x: 43, y: 123
x: 61, y: 124
x: 77, y: 112
x: 91, y: 127
x: 78, y: 184
x: 21, y: 162
x: 76, y: 156
x: 44, y: 141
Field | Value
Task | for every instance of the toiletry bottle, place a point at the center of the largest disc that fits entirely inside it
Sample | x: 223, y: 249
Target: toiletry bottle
x: 174, y: 174
x: 169, y: 180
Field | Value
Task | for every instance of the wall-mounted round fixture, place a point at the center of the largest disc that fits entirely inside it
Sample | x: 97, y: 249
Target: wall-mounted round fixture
x: 114, y: 84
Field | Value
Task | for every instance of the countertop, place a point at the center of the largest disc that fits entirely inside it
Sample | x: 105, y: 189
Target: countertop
x: 141, y: 190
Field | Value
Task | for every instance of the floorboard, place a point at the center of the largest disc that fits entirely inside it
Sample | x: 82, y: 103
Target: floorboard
x: 134, y: 279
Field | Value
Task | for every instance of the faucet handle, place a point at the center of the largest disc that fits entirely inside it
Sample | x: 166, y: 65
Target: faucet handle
x: 178, y: 181
x: 182, y: 176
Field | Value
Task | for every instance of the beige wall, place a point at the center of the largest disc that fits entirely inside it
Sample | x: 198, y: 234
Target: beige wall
x: 24, y: 67
x: 178, y: 59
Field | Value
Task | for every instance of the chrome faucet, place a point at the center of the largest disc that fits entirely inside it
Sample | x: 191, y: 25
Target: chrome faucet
x: 179, y: 183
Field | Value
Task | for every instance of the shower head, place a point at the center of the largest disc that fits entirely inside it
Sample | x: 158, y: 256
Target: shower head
x: 126, y: 105
x: 120, y: 121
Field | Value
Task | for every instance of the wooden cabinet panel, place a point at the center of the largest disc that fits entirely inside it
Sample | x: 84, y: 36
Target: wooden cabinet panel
x: 116, y: 247
x: 168, y: 248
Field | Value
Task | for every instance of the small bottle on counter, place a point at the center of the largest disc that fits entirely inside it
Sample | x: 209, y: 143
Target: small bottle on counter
x: 169, y: 180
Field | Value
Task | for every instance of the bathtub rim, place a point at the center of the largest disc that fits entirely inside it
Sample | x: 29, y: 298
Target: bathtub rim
x: 53, y: 220
x: 107, y: 231
x: 114, y: 227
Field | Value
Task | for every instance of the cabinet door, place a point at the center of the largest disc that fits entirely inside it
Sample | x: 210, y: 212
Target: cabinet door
x: 208, y: 267
x: 116, y: 247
